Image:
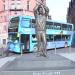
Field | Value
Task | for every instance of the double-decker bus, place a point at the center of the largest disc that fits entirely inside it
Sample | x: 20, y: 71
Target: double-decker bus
x: 22, y: 34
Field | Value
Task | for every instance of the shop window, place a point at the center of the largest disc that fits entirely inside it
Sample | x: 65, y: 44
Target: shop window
x: 28, y: 5
x: 4, y: 41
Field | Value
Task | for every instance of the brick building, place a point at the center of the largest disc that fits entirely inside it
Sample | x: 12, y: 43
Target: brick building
x: 71, y: 13
x: 10, y: 8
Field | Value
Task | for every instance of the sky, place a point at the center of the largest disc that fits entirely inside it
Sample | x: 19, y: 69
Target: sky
x: 58, y: 9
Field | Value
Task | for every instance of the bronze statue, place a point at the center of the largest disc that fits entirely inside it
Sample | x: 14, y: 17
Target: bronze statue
x: 41, y: 13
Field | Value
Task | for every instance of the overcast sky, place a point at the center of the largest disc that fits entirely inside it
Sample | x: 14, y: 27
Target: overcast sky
x: 58, y: 9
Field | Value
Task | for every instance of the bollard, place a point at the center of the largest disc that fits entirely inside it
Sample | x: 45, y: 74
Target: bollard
x: 2, y: 51
x: 55, y: 48
x: 70, y: 49
x: 21, y: 50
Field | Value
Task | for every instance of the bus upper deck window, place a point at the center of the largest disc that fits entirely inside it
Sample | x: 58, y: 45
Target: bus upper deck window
x: 64, y: 26
x: 69, y: 27
x: 57, y: 26
x: 49, y: 25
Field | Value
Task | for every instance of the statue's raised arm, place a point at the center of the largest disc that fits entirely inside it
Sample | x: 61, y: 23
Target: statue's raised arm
x: 46, y: 11
x: 36, y: 10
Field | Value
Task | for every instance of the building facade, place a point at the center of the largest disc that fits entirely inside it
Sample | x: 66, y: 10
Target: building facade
x: 11, y: 8
x: 71, y: 13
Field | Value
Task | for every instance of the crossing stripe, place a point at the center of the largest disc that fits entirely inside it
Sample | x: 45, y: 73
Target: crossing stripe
x: 70, y: 56
x: 5, y: 60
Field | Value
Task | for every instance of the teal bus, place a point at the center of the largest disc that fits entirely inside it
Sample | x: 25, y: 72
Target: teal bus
x: 22, y: 34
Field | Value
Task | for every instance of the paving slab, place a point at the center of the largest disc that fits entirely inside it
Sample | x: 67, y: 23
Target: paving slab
x: 30, y: 64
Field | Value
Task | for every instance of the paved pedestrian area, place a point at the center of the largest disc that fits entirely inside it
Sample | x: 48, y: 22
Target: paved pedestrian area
x: 56, y: 63
x: 70, y: 56
x: 5, y: 60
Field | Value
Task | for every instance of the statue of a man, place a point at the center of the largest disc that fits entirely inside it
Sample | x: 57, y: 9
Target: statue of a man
x: 41, y: 13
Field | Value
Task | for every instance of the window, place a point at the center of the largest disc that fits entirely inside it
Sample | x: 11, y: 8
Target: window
x: 65, y: 37
x: 18, y: 3
x: 13, y: 4
x: 32, y: 22
x: 57, y: 37
x: 57, y: 26
x: 28, y: 5
x: 1, y: 16
x: 34, y: 39
x: 4, y: 6
x: 5, y: 18
x: 25, y: 22
x: 6, y: 28
x: 13, y: 30
x: 69, y: 27
x: 49, y: 38
x: 14, y: 22
x: 49, y: 25
x: 3, y: 0
x: 4, y: 41
x: 64, y: 27
x: 15, y: 13
x: 13, y: 37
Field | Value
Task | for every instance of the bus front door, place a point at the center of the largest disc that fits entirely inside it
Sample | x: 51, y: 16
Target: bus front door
x: 25, y: 42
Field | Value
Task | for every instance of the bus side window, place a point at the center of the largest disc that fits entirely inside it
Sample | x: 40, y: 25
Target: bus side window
x: 34, y: 39
x: 65, y: 37
x: 64, y: 27
x: 49, y: 25
x: 69, y: 27
x: 57, y: 26
x: 49, y: 38
x: 57, y: 37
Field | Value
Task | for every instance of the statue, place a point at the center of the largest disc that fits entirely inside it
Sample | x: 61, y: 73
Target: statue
x: 41, y: 13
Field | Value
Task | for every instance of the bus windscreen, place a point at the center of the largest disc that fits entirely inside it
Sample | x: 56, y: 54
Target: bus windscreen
x: 14, y: 22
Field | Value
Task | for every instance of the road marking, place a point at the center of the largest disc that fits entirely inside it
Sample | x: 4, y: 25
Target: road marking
x: 5, y: 60
x: 70, y: 56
